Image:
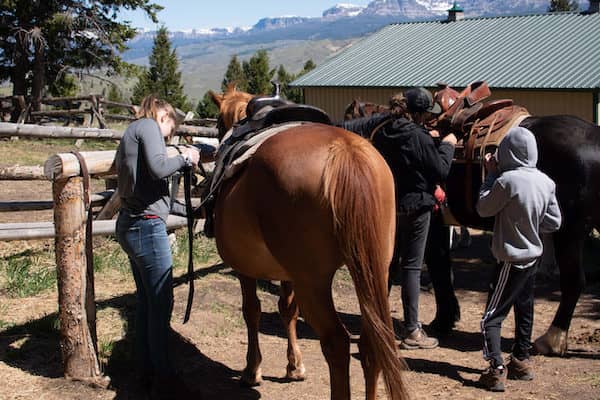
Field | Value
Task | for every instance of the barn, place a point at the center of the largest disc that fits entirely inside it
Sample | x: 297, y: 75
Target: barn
x: 550, y: 63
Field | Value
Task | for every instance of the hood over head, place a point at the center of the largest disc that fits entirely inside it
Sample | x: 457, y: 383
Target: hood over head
x: 517, y: 149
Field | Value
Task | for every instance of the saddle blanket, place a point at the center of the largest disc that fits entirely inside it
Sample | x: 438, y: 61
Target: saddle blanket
x: 231, y: 159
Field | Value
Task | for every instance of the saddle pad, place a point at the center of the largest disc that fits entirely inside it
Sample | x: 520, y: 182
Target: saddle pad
x: 234, y: 160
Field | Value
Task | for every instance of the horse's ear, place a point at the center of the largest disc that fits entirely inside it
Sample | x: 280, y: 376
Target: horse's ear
x: 232, y: 87
x: 216, y: 98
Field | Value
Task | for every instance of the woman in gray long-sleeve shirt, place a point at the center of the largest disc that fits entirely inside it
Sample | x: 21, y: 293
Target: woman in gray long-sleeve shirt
x: 143, y: 168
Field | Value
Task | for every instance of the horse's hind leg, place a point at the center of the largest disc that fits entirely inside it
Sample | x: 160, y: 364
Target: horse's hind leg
x: 318, y: 310
x: 371, y: 370
x: 251, y: 375
x: 288, y: 309
x: 569, y: 254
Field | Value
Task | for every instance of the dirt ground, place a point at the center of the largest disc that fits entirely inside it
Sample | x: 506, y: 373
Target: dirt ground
x: 210, y: 349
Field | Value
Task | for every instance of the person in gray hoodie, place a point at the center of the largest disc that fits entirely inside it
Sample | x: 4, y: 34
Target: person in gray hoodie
x: 523, y: 201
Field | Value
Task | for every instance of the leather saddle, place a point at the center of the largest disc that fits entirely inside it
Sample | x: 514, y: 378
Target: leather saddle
x: 260, y: 116
x: 481, y: 124
x: 263, y: 116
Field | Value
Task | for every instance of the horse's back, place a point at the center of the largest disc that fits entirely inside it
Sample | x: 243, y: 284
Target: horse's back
x: 569, y: 152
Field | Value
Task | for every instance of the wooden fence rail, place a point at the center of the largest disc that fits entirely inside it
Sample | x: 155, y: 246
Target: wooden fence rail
x: 46, y: 230
x: 8, y: 129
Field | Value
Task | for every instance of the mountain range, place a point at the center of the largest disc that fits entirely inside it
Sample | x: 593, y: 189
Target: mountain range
x: 292, y: 40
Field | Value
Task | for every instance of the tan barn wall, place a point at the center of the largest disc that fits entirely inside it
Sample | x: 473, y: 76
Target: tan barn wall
x: 335, y: 100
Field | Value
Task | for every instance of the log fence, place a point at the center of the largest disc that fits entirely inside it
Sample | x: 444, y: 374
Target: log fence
x: 77, y: 314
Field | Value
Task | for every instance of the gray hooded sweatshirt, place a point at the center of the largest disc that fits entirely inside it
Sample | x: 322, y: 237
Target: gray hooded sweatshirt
x: 521, y: 198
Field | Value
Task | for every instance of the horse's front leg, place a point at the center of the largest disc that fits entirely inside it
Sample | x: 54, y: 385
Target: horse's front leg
x: 288, y: 310
x: 251, y: 375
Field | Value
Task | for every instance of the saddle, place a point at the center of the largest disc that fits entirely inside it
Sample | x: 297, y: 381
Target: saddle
x: 266, y: 117
x: 271, y: 112
x: 482, y: 125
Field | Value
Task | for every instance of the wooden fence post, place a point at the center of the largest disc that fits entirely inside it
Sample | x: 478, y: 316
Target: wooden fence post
x: 77, y: 310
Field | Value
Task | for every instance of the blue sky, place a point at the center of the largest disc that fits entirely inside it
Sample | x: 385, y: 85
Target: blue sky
x: 187, y: 14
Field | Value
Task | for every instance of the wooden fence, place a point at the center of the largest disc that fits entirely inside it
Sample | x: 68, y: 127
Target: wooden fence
x: 77, y: 312
x: 88, y: 109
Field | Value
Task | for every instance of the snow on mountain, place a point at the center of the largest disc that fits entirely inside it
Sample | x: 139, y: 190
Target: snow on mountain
x: 342, y: 10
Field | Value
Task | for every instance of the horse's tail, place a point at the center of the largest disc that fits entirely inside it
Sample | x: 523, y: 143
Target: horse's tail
x: 351, y: 187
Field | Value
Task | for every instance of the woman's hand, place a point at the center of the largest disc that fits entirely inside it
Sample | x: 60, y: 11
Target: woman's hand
x: 192, y: 154
x: 450, y: 138
x: 490, y: 162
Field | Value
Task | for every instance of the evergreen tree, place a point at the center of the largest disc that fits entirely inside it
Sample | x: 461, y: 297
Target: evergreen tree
x: 162, y: 78
x: 115, y: 94
x: 207, y: 108
x: 234, y: 74
x: 257, y: 73
x: 45, y: 39
x: 293, y: 94
x: 64, y: 86
x: 563, y: 5
x: 308, y: 66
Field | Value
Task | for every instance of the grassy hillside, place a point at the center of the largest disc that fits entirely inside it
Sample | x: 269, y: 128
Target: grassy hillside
x: 204, y: 64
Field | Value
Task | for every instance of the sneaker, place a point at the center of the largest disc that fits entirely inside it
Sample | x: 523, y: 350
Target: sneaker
x: 520, y: 369
x: 493, y: 379
x: 418, y: 339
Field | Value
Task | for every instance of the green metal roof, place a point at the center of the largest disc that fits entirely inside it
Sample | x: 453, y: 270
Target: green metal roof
x: 544, y: 51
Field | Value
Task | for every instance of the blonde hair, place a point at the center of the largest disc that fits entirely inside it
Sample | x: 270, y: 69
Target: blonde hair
x: 150, y: 107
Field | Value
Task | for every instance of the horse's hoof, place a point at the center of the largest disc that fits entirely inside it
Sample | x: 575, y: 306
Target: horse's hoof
x: 251, y: 379
x: 552, y: 343
x: 296, y: 373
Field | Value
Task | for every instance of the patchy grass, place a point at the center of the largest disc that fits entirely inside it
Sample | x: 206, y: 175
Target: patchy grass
x: 28, y: 273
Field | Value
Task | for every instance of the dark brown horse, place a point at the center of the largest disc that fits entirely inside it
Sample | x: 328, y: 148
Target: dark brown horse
x: 359, y: 109
x: 569, y: 152
x: 311, y: 199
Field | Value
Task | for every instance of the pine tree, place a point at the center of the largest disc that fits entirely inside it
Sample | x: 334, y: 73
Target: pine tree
x: 563, y: 5
x: 115, y: 94
x: 162, y: 78
x: 234, y: 74
x: 257, y: 73
x: 293, y: 94
x: 207, y: 108
x: 45, y: 39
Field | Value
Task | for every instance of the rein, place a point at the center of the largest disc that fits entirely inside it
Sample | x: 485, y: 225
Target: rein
x: 187, y: 191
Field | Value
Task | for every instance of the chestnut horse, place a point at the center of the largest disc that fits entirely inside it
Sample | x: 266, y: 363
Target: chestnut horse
x: 569, y: 152
x: 311, y: 199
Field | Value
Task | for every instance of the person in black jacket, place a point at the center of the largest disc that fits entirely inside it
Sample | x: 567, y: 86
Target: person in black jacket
x: 418, y: 163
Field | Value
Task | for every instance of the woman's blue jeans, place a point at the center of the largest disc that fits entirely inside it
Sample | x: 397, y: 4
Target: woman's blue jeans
x: 147, y: 245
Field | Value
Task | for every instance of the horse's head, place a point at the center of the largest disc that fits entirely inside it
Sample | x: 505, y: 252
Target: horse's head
x: 232, y: 107
x: 352, y: 110
x: 359, y: 109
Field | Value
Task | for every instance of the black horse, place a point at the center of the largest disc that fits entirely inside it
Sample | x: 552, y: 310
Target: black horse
x: 569, y: 152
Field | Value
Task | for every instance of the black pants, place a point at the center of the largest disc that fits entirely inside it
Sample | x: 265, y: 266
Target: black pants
x: 439, y: 265
x: 510, y: 286
x: 411, y: 238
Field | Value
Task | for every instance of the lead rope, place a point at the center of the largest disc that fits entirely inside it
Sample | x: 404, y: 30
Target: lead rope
x: 89, y: 256
x: 187, y: 190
